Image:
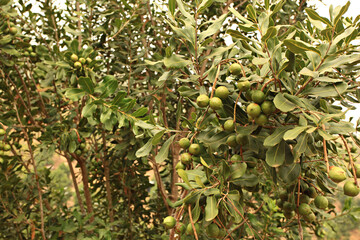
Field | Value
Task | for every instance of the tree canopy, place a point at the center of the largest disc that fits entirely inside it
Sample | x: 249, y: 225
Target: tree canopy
x: 177, y: 119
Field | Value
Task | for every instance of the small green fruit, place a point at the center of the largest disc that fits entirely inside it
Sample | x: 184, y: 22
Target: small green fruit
x: 304, y: 209
x: 186, y: 158
x: 357, y: 169
x: 216, y: 103
x: 184, y: 143
x: 169, y: 222
x: 288, y: 207
x: 202, y: 100
x: 251, y: 162
x: 235, y: 158
x: 180, y: 228
x: 7, y: 147
x: 311, y: 192
x: 258, y: 96
x: 261, y: 120
x: 222, y: 92
x: 2, y: 132
x: 82, y: 60
x: 283, y: 195
x: 190, y: 231
x: 180, y: 165
x: 243, y: 85
x: 231, y: 141
x: 253, y: 110
x: 88, y: 60
x: 82, y: 146
x: 13, y: 30
x: 74, y: 57
x: 33, y: 54
x: 77, y: 65
x: 29, y: 49
x: 289, y: 215
x: 350, y: 188
x: 268, y: 107
x: 26, y: 54
x: 195, y: 149
x: 242, y: 139
x: 235, y: 69
x: 321, y: 202
x: 310, y: 217
x: 229, y: 125
x: 304, y: 199
x: 337, y: 174
x: 78, y: 152
x: 213, y: 230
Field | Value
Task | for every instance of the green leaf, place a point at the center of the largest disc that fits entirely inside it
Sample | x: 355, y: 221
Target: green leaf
x: 211, y: 209
x: 278, y: 6
x: 251, y: 11
x: 290, y: 173
x: 189, y: 17
x: 6, y: 39
x: 204, y: 5
x: 301, y: 145
x: 213, y: 28
x: 140, y: 112
x: 314, y: 15
x: 184, y: 177
x: 172, y: 6
x: 86, y: 84
x: 144, y: 150
x: 176, y: 61
x: 74, y: 94
x: 276, y: 137
x: 239, y: 16
x: 298, y: 46
x: 237, y: 34
x: 270, y: 33
x: 118, y: 98
x: 199, y: 182
x: 283, y: 104
x: 275, y: 156
x: 342, y: 11
x: 327, y: 91
x: 238, y: 170
x: 326, y: 135
x: 195, y: 212
x: 88, y: 109
x: 340, y: 128
x: 260, y: 61
x: 294, y: 133
x: 164, y: 150
x: 157, y: 137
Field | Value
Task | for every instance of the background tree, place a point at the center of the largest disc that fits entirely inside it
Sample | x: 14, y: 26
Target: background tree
x: 113, y: 88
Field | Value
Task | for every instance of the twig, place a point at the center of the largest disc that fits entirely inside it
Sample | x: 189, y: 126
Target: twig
x: 351, y: 159
x: 42, y: 230
x: 192, y: 222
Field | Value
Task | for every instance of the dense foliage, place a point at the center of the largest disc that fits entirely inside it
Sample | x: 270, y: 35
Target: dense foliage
x: 176, y: 119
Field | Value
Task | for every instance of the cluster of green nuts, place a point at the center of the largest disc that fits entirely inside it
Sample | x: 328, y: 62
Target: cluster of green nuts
x: 186, y: 158
x: 337, y: 174
x: 81, y: 149
x: 308, y: 199
x: 215, y: 103
x: 79, y: 62
x: 260, y: 108
x: 212, y: 229
x: 29, y: 52
x: 4, y: 147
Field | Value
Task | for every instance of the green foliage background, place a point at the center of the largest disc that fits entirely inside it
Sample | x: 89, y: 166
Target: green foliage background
x: 134, y: 97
